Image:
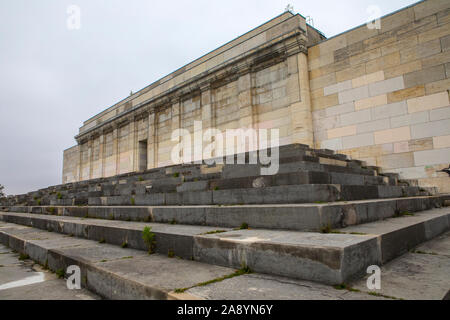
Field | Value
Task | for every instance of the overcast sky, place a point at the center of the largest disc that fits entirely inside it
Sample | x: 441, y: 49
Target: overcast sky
x: 53, y: 78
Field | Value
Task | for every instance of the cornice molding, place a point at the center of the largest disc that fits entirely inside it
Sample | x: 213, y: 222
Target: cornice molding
x: 265, y: 56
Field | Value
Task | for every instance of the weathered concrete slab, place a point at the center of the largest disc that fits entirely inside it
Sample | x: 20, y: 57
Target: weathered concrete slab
x: 301, y: 217
x: 115, y: 274
x: 327, y: 258
x: 265, y: 287
x: 27, y: 281
x: 169, y: 238
x: 399, y: 235
x: 419, y: 275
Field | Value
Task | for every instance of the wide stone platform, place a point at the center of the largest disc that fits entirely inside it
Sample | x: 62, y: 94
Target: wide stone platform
x: 321, y: 218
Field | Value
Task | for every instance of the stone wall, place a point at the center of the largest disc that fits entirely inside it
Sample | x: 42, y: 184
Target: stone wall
x: 383, y: 95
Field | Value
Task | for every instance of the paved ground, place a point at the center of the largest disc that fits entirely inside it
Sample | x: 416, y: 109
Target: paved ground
x: 25, y: 280
x: 421, y: 274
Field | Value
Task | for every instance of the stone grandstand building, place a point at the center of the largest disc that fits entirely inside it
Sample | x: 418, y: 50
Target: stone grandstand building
x: 378, y: 95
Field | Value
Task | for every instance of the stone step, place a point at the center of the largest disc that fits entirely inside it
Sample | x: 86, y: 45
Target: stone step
x: 169, y: 238
x: 300, y: 217
x: 285, y: 194
x: 326, y: 258
x: 110, y: 271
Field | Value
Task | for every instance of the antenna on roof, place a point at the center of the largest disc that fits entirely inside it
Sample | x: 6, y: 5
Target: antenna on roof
x: 289, y: 8
x: 310, y: 21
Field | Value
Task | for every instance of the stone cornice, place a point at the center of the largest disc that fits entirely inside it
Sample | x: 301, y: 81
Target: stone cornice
x: 269, y: 54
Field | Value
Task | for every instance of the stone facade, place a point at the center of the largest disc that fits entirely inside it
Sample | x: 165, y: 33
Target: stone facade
x: 383, y: 95
x: 379, y: 95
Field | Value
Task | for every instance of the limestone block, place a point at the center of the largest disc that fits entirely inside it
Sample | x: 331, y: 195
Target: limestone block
x: 394, y: 161
x: 338, y: 87
x: 441, y: 142
x: 437, y: 86
x: 327, y: 123
x: 389, y: 110
x: 422, y: 50
x: 435, y: 33
x: 371, y: 102
x: 357, y: 141
x: 421, y: 144
x: 390, y: 85
x: 431, y: 129
x: 323, y: 60
x: 323, y: 81
x: 409, y: 119
x: 435, y: 60
x: 401, y: 44
x: 360, y: 34
x: 424, y: 76
x: 392, y: 135
x: 440, y: 114
x: 410, y: 173
x: 355, y: 117
x: 445, y: 43
x: 350, y: 73
x: 340, y: 109
x: 367, y: 79
x: 430, y: 7
x: 402, y: 69
x: 430, y: 102
x: 353, y: 94
x: 341, y: 132
x: 373, y: 126
x: 325, y: 102
x: 380, y: 40
x: 383, y: 62
x: 405, y: 94
x: 332, y: 144
x: 401, y: 147
x: 396, y: 20
x: 365, y: 56
x: 431, y: 157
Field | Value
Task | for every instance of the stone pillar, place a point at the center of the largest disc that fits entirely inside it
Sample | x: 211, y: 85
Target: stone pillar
x: 248, y: 116
x: 152, y: 146
x: 91, y: 157
x: 132, y: 146
x: 116, y: 148
x: 80, y: 166
x: 101, y: 156
x: 301, y: 113
x: 176, y: 119
x: 246, y: 112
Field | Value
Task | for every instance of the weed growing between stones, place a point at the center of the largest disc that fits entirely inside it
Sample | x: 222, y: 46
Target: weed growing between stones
x: 149, y: 238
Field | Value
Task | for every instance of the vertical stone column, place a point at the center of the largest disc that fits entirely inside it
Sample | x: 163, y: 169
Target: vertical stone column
x: 247, y: 113
x: 208, y: 113
x: 132, y: 146
x: 101, y: 156
x: 301, y: 113
x: 246, y: 116
x: 176, y: 119
x: 79, y: 161
x: 91, y: 157
x: 116, y: 150
x: 152, y: 147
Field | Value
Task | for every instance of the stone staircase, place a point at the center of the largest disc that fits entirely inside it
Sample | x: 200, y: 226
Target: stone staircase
x: 322, y: 218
